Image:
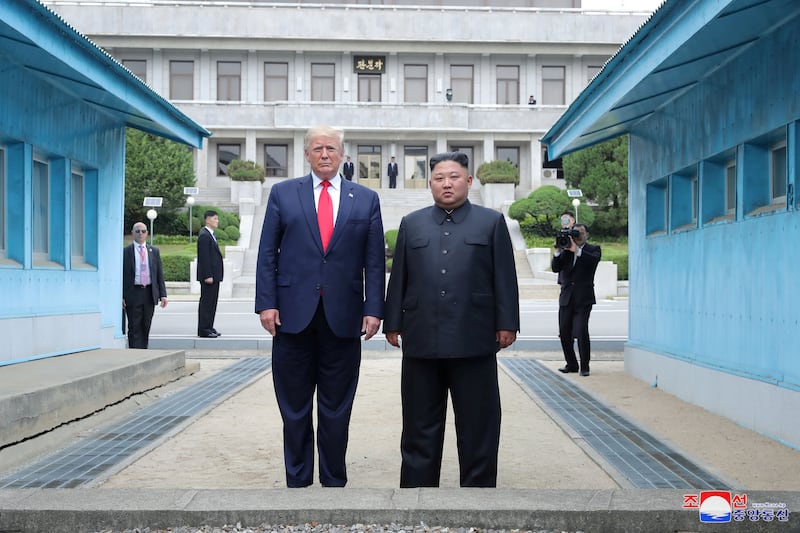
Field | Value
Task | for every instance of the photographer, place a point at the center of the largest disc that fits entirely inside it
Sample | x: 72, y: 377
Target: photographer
x: 576, y: 262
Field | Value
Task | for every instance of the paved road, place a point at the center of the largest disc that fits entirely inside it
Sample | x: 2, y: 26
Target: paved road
x: 236, y: 318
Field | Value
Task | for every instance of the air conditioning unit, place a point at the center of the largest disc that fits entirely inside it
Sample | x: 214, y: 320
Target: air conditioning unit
x: 549, y: 173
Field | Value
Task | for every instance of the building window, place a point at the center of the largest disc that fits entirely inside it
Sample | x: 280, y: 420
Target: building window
x: 683, y: 214
x: 416, y: 166
x: 465, y: 150
x: 461, y: 83
x: 137, y: 66
x: 229, y: 81
x: 415, y: 80
x: 592, y: 71
x: 777, y: 172
x: 730, y: 187
x: 369, y: 87
x: 77, y: 216
x: 276, y: 82
x: 2, y: 202
x: 553, y: 85
x: 41, y: 209
x: 657, y: 206
x: 181, y: 80
x: 276, y: 160
x: 225, y: 154
x: 508, y: 153
x: 369, y: 162
x: 508, y: 85
x: 323, y: 82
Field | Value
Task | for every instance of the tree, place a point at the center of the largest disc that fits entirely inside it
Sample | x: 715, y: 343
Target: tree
x: 601, y: 172
x: 155, y: 166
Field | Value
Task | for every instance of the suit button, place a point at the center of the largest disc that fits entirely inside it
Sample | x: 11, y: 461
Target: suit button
x: 446, y: 233
x: 443, y: 293
x: 317, y: 286
x: 444, y: 271
x: 444, y: 252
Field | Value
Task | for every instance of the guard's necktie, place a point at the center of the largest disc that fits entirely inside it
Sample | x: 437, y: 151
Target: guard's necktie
x: 325, y: 215
x: 144, y: 274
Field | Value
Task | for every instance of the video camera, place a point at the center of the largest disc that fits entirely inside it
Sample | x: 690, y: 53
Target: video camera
x: 565, y: 234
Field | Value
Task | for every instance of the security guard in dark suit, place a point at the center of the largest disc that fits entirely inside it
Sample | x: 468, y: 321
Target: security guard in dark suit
x: 453, y: 298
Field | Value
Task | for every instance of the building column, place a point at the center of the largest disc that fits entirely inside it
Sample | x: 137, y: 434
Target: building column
x: 536, y: 165
x: 250, y: 145
x: 297, y: 167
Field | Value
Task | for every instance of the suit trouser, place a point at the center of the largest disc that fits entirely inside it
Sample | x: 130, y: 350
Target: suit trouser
x: 139, y: 309
x: 573, y: 323
x: 472, y: 383
x: 207, y: 307
x: 315, y: 359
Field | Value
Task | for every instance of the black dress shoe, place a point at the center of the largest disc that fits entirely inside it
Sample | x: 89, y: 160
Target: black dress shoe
x: 211, y: 335
x: 217, y: 333
x: 584, y: 373
x: 567, y: 370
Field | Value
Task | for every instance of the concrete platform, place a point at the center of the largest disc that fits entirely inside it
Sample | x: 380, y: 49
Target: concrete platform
x: 37, y: 396
x: 194, y: 483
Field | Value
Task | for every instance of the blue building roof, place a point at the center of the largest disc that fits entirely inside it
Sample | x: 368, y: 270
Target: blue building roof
x: 680, y: 45
x: 37, y: 39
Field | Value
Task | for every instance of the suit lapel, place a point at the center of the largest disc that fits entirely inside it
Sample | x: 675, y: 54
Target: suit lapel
x: 305, y: 194
x: 347, y: 197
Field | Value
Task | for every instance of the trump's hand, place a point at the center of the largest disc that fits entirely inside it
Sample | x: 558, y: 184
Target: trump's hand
x: 369, y: 326
x: 270, y: 320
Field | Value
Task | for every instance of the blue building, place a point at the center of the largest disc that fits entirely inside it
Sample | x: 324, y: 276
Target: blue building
x: 709, y: 92
x: 64, y: 107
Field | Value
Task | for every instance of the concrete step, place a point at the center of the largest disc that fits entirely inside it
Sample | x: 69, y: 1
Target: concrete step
x: 536, y: 289
x: 40, y: 395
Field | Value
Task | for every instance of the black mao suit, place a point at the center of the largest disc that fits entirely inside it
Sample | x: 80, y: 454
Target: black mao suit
x: 209, y: 265
x: 576, y: 277
x: 391, y: 171
x: 453, y: 286
x: 140, y: 301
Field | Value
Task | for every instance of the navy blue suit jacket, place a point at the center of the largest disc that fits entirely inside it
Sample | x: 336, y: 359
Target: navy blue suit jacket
x: 293, y: 270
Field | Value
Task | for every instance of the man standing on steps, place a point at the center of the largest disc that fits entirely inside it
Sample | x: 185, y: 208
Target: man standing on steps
x: 391, y: 170
x: 209, y: 274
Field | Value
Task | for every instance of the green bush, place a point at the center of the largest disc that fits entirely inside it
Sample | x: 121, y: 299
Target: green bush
x: 243, y: 170
x: 176, y: 267
x: 389, y: 264
x: 232, y: 232
x: 391, y: 241
x: 498, y: 171
x: 521, y: 209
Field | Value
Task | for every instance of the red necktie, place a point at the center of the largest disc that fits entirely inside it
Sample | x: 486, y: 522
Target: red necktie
x: 325, y: 215
x: 144, y: 275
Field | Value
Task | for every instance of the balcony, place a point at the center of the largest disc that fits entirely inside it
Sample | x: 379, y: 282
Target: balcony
x: 363, y: 116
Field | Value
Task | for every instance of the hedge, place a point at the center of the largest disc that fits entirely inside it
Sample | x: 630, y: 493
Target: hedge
x: 176, y: 267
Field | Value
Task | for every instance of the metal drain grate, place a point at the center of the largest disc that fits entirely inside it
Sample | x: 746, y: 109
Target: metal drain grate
x: 641, y: 458
x: 89, y: 458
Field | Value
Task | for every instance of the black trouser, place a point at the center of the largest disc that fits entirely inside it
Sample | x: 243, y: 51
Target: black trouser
x: 472, y: 383
x: 139, y: 309
x: 573, y: 323
x: 207, y: 307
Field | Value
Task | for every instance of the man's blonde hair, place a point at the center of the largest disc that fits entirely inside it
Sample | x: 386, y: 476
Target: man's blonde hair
x: 323, y: 131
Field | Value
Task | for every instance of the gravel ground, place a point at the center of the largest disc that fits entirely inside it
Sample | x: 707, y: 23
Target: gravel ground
x: 327, y: 528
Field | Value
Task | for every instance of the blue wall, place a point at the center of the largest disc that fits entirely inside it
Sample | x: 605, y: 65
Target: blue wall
x: 723, y: 294
x: 38, y: 120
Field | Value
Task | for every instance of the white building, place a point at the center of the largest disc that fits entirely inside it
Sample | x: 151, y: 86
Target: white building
x: 402, y: 80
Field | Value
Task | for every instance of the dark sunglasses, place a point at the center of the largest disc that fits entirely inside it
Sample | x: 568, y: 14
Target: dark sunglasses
x: 140, y: 231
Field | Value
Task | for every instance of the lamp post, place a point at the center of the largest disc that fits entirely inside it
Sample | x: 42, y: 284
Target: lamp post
x: 575, y: 204
x: 152, y: 214
x: 190, y: 203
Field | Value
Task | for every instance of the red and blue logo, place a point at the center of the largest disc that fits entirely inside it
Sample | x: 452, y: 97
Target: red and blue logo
x: 715, y: 506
